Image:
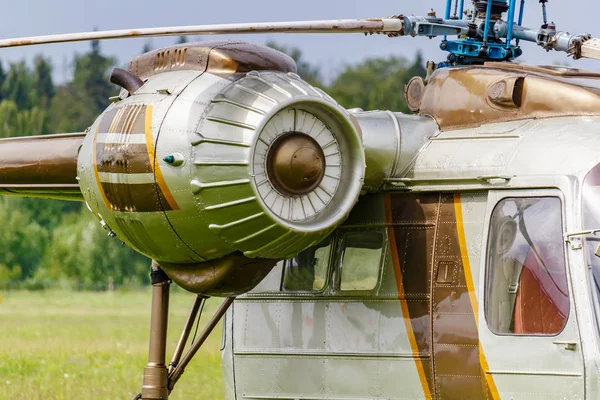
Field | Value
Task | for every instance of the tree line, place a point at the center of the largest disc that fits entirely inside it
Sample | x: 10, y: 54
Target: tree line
x: 45, y: 243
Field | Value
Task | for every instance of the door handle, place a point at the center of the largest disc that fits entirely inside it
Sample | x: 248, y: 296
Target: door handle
x: 571, y: 346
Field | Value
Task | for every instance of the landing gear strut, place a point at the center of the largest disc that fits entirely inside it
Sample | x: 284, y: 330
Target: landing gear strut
x: 159, y: 380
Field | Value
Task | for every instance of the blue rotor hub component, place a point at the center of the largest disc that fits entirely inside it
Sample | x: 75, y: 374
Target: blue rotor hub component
x: 483, y: 41
x: 469, y: 51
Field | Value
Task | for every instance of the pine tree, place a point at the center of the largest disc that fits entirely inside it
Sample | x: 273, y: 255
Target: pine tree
x: 17, y: 84
x: 147, y: 47
x: 77, y: 104
x: 418, y: 66
x: 307, y: 71
x: 43, y: 87
x: 2, y: 79
x: 90, y: 77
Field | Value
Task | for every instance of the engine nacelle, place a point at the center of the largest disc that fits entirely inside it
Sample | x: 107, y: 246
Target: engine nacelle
x: 233, y: 169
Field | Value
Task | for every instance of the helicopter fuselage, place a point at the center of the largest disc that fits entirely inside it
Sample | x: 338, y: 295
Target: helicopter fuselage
x: 420, y: 294
x: 466, y: 264
x: 468, y: 276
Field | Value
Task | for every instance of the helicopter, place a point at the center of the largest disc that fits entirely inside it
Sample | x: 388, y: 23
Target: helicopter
x: 447, y: 254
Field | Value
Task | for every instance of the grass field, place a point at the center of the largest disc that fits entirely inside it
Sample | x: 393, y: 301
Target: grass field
x: 72, y: 345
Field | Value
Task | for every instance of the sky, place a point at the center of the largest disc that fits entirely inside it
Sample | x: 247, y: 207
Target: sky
x: 331, y: 52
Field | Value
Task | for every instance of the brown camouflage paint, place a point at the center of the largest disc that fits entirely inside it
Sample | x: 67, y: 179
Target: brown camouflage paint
x: 504, y: 92
x: 124, y: 159
x: 411, y: 229
x: 436, y: 292
x: 40, y: 160
x: 126, y: 197
x: 225, y: 58
x: 41, y: 166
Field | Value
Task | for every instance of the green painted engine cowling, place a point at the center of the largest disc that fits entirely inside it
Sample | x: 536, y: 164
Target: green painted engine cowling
x: 181, y: 172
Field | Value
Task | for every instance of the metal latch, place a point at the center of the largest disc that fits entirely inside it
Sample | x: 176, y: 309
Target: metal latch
x: 572, y: 346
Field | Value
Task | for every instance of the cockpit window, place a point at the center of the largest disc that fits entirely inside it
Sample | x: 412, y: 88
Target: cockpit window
x: 526, y: 281
x: 307, y: 272
x: 361, y: 260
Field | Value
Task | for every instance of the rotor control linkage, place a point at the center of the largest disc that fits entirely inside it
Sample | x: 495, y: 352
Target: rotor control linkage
x: 544, y: 13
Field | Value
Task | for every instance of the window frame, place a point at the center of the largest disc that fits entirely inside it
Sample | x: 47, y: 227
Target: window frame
x: 339, y: 258
x: 328, y: 272
x: 594, y: 296
x: 531, y: 194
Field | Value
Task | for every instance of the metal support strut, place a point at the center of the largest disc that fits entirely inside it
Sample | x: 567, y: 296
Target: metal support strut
x: 159, y: 380
x: 210, y: 326
x: 155, y: 386
x: 187, y: 329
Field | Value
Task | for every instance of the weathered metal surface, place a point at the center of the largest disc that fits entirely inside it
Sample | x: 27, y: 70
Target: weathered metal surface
x: 124, y: 162
x: 551, y: 370
x: 296, y: 164
x: 470, y: 97
x: 504, y: 154
x: 126, y: 80
x: 436, y: 338
x: 589, y: 49
x: 414, y: 92
x: 230, y: 275
x: 148, y: 232
x: 391, y: 142
x: 179, y: 171
x: 225, y: 130
x: 218, y: 201
x: 225, y: 58
x: 155, y: 386
x: 375, y: 25
x: 37, y: 160
x: 41, y: 166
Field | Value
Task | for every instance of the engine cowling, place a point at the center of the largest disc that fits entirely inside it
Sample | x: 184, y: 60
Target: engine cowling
x: 200, y: 169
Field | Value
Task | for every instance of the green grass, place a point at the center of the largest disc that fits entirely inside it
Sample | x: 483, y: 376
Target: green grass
x: 73, y: 345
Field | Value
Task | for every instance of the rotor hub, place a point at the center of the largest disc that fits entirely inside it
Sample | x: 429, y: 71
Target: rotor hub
x: 498, y: 6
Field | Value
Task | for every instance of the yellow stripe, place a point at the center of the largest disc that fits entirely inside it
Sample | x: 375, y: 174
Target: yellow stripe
x: 162, y: 184
x: 460, y: 227
x: 402, y: 297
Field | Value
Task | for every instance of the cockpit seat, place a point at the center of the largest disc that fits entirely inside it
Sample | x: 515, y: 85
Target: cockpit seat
x: 541, y: 305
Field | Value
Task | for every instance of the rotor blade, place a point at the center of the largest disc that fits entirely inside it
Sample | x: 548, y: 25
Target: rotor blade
x: 386, y: 25
x: 41, y: 166
x: 591, y: 49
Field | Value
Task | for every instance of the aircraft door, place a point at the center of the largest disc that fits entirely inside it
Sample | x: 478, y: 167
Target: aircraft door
x: 528, y: 327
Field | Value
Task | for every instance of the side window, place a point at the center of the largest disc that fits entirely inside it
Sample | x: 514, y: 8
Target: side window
x: 361, y: 260
x: 307, y: 272
x: 526, y: 279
